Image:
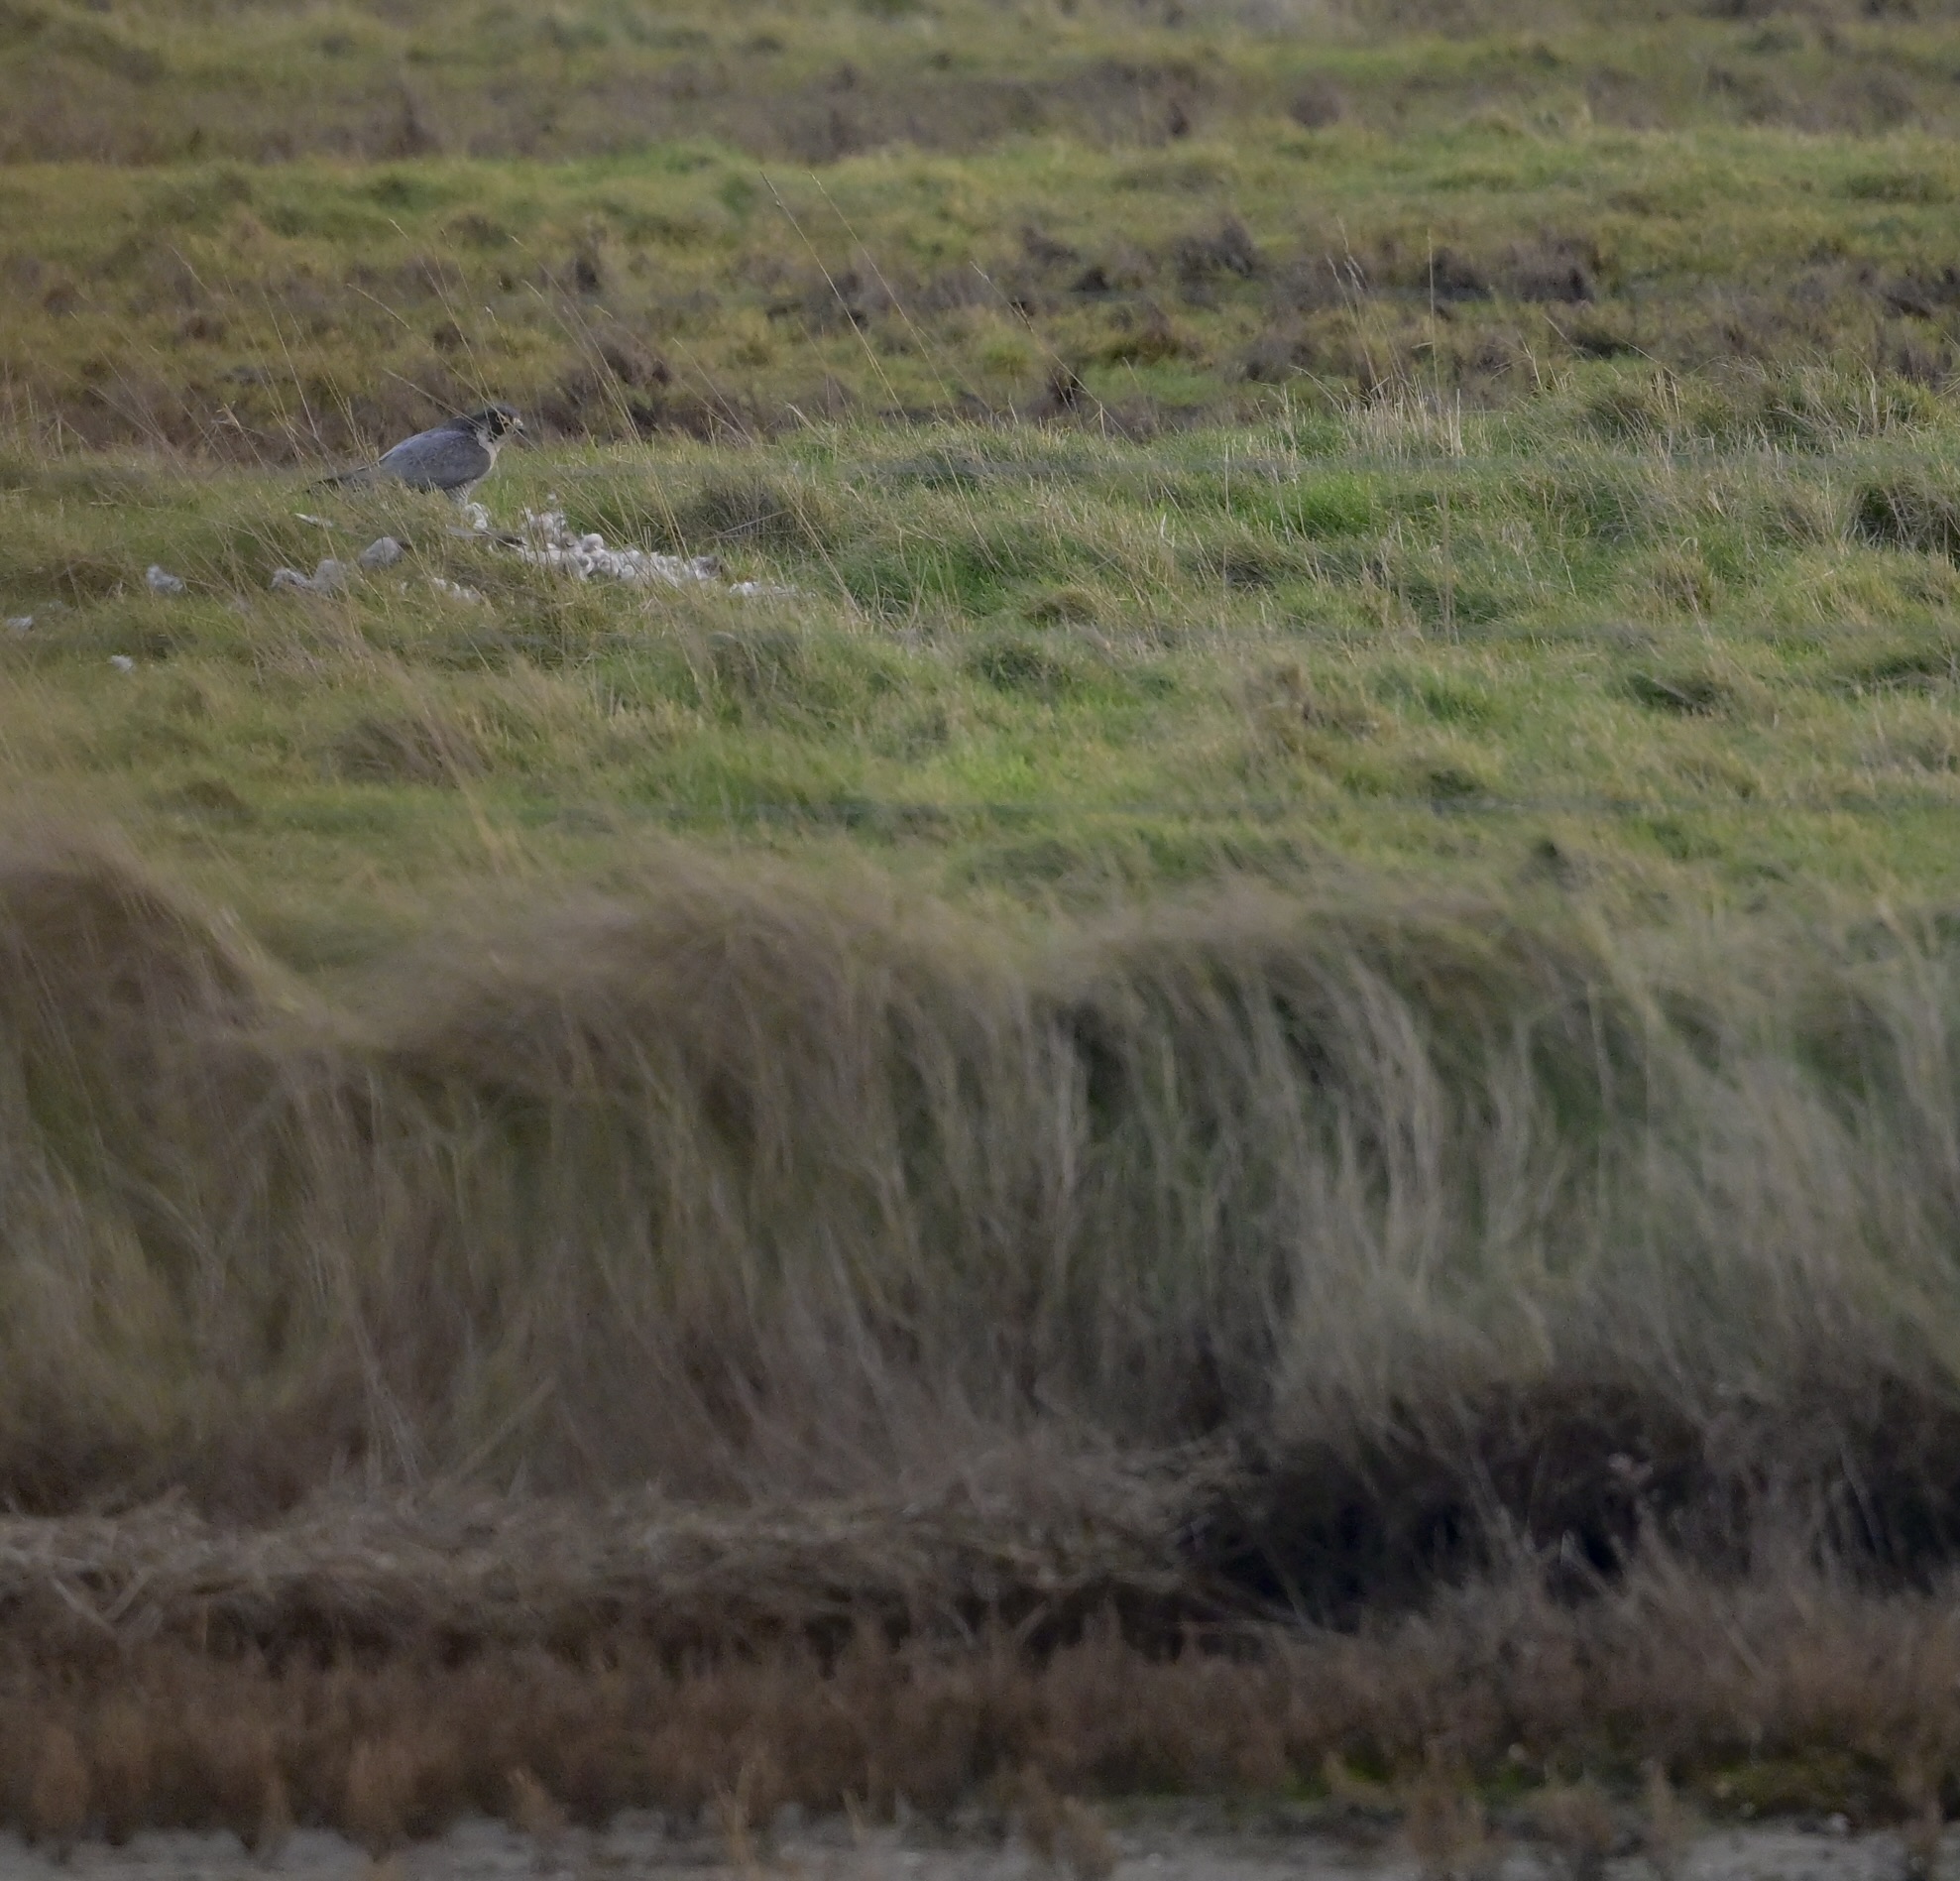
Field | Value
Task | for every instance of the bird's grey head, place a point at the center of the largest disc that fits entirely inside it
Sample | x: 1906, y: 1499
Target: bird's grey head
x: 493, y: 423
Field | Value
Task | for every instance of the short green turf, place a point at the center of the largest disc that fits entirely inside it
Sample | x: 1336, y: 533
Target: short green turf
x: 1027, y: 664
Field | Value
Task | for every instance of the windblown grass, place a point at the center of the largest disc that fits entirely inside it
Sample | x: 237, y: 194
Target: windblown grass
x: 738, y: 1186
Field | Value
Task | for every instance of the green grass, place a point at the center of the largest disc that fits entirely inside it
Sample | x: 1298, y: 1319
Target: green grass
x: 162, y: 80
x: 1708, y: 668
x: 1548, y: 507
x: 272, y: 314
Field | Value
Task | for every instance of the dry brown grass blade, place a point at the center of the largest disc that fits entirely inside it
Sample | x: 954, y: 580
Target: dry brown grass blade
x: 373, y: 1805
x: 59, y: 1794
x: 1576, y: 1819
x: 1667, y: 1827
x: 1445, y: 1825
x: 1086, y: 1842
x: 122, y: 1756
x: 269, y: 1836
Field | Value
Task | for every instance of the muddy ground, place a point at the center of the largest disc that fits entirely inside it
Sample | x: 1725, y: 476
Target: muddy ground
x: 640, y: 1846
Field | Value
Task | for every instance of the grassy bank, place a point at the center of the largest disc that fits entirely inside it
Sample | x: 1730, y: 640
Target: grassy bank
x: 1502, y: 1723
x: 1231, y: 1069
x: 1419, y: 1205
x: 1395, y: 1357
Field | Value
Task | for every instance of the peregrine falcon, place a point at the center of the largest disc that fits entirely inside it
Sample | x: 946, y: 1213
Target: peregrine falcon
x: 454, y: 457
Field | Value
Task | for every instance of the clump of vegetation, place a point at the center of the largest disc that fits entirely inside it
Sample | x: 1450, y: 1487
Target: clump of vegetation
x: 1916, y: 513
x: 1254, y: 1262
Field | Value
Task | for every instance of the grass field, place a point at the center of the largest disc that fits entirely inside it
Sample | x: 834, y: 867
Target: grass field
x: 166, y: 80
x: 1021, y: 663
x: 1257, y: 1006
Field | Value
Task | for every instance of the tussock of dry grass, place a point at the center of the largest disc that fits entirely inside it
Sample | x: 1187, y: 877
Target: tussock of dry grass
x: 1199, y: 1347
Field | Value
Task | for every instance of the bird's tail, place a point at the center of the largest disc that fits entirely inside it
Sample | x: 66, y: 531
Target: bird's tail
x: 362, y: 474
